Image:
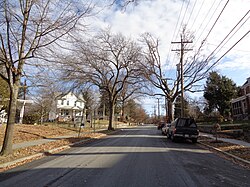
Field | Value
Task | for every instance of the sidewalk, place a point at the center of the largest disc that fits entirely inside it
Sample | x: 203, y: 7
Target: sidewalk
x: 47, y: 140
x: 13, y: 162
x: 233, y: 141
x: 43, y: 141
x: 39, y: 141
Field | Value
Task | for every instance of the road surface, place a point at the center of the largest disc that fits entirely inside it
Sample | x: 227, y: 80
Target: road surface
x: 134, y: 157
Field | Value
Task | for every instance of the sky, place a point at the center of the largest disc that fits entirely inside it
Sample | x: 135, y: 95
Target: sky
x: 164, y: 20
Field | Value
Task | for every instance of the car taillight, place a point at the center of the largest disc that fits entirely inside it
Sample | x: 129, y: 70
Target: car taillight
x: 174, y: 130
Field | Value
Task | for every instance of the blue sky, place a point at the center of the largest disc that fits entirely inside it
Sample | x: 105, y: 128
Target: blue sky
x: 164, y: 18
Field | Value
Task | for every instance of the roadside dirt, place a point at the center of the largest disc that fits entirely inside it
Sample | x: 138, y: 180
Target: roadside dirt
x: 236, y: 150
x: 24, y: 133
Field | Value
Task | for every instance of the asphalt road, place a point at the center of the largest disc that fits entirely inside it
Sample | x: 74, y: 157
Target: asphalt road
x: 134, y: 157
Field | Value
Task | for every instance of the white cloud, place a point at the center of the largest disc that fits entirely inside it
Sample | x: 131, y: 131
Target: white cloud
x: 159, y: 17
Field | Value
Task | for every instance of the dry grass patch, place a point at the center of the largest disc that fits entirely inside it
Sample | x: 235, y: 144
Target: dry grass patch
x: 236, y: 150
x: 23, y: 133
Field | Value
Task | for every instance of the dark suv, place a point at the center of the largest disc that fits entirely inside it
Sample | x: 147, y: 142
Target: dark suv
x: 184, y: 128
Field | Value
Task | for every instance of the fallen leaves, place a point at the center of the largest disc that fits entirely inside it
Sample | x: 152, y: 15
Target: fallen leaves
x: 237, y: 150
x: 25, y: 133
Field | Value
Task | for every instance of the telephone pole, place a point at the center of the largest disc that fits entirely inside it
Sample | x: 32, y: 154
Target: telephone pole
x: 24, y: 102
x: 158, y: 107
x: 180, y: 68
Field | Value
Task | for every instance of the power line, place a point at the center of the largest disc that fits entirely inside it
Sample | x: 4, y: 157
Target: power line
x: 216, y: 20
x: 182, y: 19
x: 175, y: 31
x: 245, y: 51
x: 231, y: 47
x: 174, y: 56
x: 178, y: 20
x: 197, y: 14
x: 205, y: 19
x: 191, y: 12
x: 230, y: 33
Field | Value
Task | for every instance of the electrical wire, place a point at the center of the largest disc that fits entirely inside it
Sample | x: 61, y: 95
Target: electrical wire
x: 179, y: 30
x: 197, y: 15
x: 169, y: 52
x: 216, y: 20
x: 191, y: 13
x: 181, y: 25
x: 245, y: 51
x: 208, y: 20
x: 232, y: 47
x: 230, y: 33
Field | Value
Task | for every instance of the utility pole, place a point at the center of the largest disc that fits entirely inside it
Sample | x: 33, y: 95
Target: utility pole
x: 166, y: 108
x: 181, y: 69
x: 158, y: 107
x: 154, y: 111
x: 24, y: 102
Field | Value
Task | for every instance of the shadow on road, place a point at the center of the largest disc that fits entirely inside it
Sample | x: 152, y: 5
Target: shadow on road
x: 133, y: 157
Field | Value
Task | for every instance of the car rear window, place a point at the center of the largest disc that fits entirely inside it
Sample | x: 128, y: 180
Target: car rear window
x: 186, y: 123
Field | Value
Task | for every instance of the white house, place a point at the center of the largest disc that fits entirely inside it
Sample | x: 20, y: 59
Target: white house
x: 68, y: 107
x: 3, y: 115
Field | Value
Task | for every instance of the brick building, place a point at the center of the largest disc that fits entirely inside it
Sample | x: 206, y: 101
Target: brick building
x: 241, y: 105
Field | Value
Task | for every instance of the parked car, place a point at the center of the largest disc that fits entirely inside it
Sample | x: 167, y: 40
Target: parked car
x: 160, y: 125
x: 165, y: 128
x: 184, y: 128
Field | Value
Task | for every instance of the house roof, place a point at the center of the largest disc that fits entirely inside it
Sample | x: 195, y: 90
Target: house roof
x: 247, y: 82
x: 70, y: 107
x: 79, y: 97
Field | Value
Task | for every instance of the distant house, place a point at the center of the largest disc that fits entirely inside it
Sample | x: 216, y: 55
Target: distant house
x: 3, y: 115
x: 68, y: 107
x: 241, y: 105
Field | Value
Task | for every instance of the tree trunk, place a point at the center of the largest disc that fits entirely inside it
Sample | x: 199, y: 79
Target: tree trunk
x: 170, y: 110
x: 8, y: 138
x: 111, y: 115
x: 123, y: 112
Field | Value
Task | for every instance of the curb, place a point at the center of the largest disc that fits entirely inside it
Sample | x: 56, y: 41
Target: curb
x: 9, y: 164
x: 48, y: 152
x: 228, y: 154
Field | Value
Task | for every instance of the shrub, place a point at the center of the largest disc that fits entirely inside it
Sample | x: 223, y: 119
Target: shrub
x: 31, y: 118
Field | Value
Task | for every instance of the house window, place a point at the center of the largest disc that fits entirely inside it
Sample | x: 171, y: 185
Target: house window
x: 65, y: 112
x: 62, y: 102
x: 75, y: 103
x: 67, y: 102
x: 247, y: 90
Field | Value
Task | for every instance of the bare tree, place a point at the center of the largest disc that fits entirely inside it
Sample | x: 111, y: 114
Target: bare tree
x: 108, y: 62
x: 27, y: 26
x: 132, y: 91
x: 195, y: 69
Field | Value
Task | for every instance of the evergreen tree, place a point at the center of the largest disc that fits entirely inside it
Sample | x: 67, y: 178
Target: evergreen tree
x: 219, y: 91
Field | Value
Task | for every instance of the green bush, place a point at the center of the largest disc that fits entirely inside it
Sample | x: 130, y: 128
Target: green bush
x: 31, y: 118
